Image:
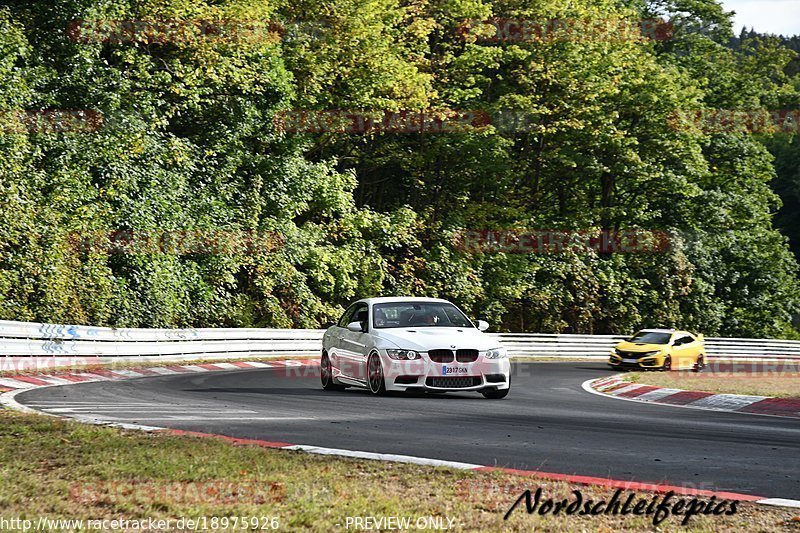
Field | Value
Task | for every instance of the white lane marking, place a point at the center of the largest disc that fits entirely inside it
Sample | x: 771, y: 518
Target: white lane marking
x: 382, y: 457
x: 727, y: 402
x: 14, y: 384
x: 655, y: 395
x: 201, y: 418
x: 121, y: 425
x: 780, y: 502
x: 134, y: 427
x: 8, y: 400
x: 151, y: 409
x: 56, y: 403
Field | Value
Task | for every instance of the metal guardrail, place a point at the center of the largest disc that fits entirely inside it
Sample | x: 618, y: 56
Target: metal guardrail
x: 537, y: 344
x: 23, y: 339
x: 41, y: 340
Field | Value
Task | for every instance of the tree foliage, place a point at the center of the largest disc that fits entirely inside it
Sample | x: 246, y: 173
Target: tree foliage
x: 581, y: 138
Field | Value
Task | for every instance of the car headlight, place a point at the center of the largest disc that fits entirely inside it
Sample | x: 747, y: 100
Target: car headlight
x: 496, y: 353
x: 650, y: 354
x: 402, y: 354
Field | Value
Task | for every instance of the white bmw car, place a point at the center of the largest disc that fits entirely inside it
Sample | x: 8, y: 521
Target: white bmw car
x: 403, y: 344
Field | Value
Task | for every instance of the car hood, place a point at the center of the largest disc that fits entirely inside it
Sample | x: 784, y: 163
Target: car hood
x: 638, y: 347
x: 431, y: 338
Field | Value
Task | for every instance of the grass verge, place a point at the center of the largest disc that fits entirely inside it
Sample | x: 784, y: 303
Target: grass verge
x: 66, y: 470
x: 779, y: 386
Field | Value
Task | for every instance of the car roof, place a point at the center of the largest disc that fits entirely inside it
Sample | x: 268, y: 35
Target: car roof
x: 394, y: 299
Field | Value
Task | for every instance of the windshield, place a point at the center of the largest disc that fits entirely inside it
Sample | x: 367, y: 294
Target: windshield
x: 424, y: 314
x: 651, y: 337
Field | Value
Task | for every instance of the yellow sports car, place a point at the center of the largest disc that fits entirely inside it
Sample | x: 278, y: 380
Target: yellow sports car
x: 662, y: 349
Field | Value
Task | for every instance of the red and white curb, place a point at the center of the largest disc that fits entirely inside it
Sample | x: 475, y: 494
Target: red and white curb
x: 19, y: 384
x: 32, y: 381
x: 618, y: 387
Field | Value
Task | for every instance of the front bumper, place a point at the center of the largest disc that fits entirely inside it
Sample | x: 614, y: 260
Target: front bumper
x: 423, y: 374
x: 641, y: 364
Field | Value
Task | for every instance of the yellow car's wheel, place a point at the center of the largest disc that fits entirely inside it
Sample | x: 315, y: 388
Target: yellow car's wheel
x: 700, y: 364
x: 667, y: 366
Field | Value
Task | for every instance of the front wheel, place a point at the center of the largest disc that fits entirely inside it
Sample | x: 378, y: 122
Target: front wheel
x: 377, y: 385
x: 700, y: 364
x: 495, y: 394
x: 667, y: 364
x: 326, y: 374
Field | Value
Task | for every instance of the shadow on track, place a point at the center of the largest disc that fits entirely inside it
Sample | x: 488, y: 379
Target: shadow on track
x: 318, y: 393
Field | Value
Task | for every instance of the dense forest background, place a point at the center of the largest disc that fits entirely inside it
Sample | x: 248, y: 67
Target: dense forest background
x: 190, y: 143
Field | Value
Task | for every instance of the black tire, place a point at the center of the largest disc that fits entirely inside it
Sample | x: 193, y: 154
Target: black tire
x: 667, y: 364
x: 375, y: 380
x: 700, y: 364
x: 496, y: 394
x: 326, y: 374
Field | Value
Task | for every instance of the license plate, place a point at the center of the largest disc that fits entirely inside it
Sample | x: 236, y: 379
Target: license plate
x: 630, y: 360
x: 454, y: 371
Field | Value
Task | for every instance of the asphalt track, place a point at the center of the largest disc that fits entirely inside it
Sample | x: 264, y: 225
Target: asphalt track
x: 546, y: 423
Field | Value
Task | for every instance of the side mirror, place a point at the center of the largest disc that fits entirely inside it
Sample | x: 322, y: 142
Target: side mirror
x: 483, y: 325
x: 355, y: 326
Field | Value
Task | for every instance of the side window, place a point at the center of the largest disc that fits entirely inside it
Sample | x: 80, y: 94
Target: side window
x: 683, y: 341
x: 346, y: 316
x: 354, y: 313
x: 361, y: 315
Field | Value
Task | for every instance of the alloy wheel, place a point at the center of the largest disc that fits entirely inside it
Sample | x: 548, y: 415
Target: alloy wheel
x: 375, y: 377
